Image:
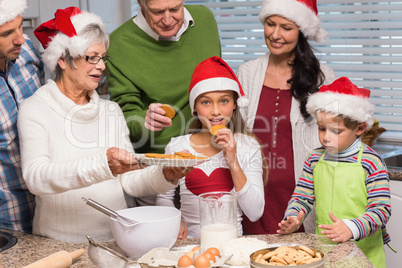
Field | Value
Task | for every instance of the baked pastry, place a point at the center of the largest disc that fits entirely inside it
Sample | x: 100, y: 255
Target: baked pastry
x: 214, y: 129
x: 185, y: 155
x: 154, y: 155
x: 176, y: 155
x: 169, y: 111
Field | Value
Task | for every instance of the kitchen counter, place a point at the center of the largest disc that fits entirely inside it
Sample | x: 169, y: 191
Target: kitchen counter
x: 388, y: 151
x: 395, y: 173
x: 30, y: 248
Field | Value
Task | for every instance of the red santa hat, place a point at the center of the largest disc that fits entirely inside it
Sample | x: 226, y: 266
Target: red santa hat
x: 302, y: 12
x: 214, y: 74
x: 61, y: 34
x: 342, y: 97
x: 10, y: 9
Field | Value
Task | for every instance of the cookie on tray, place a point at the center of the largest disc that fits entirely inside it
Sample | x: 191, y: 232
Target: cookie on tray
x: 154, y: 155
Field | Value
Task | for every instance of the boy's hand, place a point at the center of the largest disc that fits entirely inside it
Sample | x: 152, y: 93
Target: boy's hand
x: 290, y: 224
x: 338, y: 232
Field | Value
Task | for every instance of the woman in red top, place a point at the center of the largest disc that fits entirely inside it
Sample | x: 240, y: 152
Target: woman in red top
x: 278, y: 85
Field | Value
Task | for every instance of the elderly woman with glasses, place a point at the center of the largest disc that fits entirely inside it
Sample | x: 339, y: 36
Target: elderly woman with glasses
x: 74, y: 144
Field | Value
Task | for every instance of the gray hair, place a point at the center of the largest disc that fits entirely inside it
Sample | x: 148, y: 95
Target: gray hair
x: 144, y: 3
x: 94, y: 34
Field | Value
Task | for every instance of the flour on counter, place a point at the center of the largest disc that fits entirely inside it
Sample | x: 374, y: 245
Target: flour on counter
x: 241, y: 248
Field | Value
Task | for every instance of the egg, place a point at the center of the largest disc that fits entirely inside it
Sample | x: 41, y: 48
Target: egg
x: 190, y: 254
x: 196, y: 249
x: 202, y: 262
x: 209, y: 255
x: 215, y: 251
x: 185, y: 261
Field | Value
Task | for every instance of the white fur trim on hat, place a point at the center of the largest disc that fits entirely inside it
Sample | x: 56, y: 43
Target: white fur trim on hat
x: 10, y: 9
x: 243, y: 102
x: 299, y: 13
x: 76, y: 45
x: 212, y: 84
x: 354, y: 107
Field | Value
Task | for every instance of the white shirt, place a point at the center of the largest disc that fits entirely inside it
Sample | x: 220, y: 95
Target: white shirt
x: 250, y: 198
x: 143, y: 24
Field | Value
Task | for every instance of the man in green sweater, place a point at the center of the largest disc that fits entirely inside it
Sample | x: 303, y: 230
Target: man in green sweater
x: 152, y: 58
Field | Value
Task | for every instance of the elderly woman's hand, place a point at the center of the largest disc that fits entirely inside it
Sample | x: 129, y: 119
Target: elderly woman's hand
x: 155, y: 118
x: 120, y: 161
x: 172, y: 174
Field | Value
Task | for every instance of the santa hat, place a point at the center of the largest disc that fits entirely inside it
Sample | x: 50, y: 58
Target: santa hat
x: 10, y: 9
x: 214, y: 74
x: 62, y: 33
x: 342, y: 97
x: 302, y: 12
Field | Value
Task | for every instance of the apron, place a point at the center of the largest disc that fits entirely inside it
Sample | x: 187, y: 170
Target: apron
x: 340, y: 188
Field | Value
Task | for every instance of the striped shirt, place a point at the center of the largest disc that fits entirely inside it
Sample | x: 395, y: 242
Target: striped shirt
x: 21, y: 79
x: 378, y: 209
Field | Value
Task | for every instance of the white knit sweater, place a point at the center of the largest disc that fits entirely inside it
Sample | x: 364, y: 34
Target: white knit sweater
x: 63, y: 151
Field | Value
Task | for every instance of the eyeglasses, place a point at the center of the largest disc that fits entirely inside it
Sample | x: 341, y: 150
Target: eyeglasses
x: 95, y: 59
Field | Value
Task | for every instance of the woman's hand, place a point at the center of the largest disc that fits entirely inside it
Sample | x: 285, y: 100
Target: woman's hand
x: 338, y: 232
x: 120, y: 161
x: 225, y: 140
x: 155, y: 118
x: 173, y: 174
x: 291, y: 224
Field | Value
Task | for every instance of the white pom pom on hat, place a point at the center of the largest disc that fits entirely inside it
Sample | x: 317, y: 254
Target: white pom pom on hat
x: 214, y: 74
x: 10, y: 9
x: 61, y: 34
x: 344, y: 98
x: 302, y: 12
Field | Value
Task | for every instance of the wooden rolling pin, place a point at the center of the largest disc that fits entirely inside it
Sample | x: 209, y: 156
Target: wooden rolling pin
x: 61, y: 259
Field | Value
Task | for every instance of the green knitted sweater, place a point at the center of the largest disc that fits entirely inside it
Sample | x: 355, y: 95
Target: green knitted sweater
x: 142, y: 70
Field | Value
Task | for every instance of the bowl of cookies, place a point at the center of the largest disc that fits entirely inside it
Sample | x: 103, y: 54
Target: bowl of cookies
x: 295, y: 255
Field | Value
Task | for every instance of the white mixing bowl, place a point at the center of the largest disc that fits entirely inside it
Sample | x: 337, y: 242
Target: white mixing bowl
x: 158, y: 227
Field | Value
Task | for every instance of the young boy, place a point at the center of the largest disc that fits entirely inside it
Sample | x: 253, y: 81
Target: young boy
x: 346, y: 179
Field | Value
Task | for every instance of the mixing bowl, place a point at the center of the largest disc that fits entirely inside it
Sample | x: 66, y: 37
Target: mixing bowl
x: 157, y: 226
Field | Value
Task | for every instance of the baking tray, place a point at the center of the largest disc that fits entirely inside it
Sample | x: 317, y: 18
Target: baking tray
x: 175, y: 162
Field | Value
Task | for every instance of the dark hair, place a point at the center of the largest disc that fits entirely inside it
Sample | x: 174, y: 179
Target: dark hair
x: 347, y: 121
x: 307, y: 76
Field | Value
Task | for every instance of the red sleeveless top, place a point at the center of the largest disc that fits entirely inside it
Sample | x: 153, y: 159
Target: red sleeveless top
x: 272, y: 126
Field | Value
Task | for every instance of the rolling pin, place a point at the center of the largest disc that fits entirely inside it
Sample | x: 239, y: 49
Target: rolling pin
x: 61, y: 259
